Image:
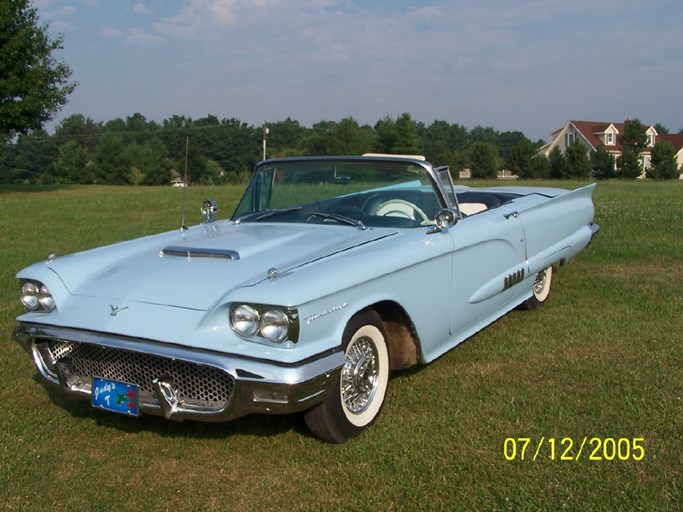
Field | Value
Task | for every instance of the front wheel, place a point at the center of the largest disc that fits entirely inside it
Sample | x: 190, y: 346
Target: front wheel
x: 541, y: 289
x: 358, y: 397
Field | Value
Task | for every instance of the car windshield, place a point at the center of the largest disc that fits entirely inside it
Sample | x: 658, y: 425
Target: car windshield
x: 362, y: 193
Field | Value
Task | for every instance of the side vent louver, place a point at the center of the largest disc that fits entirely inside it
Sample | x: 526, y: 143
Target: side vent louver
x: 512, y: 279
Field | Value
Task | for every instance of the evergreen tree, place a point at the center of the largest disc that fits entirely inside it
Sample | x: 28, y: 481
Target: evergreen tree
x: 34, y: 159
x: 540, y: 167
x: 73, y: 164
x: 442, y: 141
x: 519, y: 159
x: 558, y: 164
x: 406, y: 142
x: 110, y: 163
x: 634, y: 135
x: 664, y: 166
x: 661, y: 129
x: 483, y: 159
x: 578, y: 165
x: 603, y: 163
x: 628, y: 163
x: 386, y: 135
x: 633, y: 140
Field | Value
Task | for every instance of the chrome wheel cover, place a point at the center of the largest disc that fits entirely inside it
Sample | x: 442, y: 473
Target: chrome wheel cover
x: 539, y: 284
x: 360, y: 375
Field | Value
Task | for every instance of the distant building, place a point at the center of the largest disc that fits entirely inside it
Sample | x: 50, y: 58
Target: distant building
x: 504, y: 174
x: 593, y: 134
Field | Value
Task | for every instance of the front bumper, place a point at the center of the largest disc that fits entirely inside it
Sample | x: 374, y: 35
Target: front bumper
x: 178, y: 382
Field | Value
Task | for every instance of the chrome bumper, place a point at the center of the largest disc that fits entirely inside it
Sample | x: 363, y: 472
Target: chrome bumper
x: 595, y: 229
x: 249, y: 385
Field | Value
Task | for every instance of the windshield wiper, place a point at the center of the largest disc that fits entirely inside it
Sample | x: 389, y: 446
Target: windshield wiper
x: 339, y: 218
x: 274, y: 213
x: 265, y: 214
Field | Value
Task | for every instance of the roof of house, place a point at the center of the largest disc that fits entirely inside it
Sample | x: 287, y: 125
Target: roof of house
x: 675, y: 139
x: 591, y: 129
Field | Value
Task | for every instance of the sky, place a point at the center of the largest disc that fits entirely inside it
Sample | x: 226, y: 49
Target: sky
x: 527, y: 65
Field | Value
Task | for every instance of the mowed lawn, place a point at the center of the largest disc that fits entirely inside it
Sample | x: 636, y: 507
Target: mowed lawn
x: 600, y: 365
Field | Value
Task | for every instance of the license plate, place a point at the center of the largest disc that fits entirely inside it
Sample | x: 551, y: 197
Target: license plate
x: 115, y: 396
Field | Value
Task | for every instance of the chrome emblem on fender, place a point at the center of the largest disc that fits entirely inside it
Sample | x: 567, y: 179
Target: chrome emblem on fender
x: 116, y: 311
x: 315, y: 316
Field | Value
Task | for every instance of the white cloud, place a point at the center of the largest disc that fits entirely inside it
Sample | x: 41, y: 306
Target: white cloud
x: 140, y: 9
x: 140, y: 35
x: 520, y: 65
x: 111, y: 33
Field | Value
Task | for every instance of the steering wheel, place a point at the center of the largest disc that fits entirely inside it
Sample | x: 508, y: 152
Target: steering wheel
x: 404, y: 209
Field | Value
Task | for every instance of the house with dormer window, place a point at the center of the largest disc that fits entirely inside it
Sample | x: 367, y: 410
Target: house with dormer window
x: 592, y: 134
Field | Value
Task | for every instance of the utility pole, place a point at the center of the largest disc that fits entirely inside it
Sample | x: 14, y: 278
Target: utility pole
x: 264, y: 127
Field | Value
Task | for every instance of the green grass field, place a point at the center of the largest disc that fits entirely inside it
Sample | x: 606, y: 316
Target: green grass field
x: 602, y: 359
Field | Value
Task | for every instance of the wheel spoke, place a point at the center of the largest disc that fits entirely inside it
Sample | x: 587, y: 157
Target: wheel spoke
x: 539, y: 284
x: 359, y: 375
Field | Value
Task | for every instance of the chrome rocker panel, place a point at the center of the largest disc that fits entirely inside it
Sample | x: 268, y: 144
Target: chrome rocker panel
x: 257, y: 386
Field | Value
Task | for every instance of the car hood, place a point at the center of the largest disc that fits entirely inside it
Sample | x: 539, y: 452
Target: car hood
x: 204, y: 263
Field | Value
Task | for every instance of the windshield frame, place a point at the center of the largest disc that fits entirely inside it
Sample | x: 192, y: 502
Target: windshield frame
x: 258, y: 192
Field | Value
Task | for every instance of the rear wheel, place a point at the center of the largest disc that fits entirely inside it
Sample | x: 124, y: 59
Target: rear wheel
x: 541, y: 289
x: 358, y: 397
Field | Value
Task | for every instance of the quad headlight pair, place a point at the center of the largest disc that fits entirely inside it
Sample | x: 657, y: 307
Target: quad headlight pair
x: 36, y: 297
x: 274, y: 324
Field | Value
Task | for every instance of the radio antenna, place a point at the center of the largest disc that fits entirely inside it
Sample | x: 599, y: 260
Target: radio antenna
x: 182, y: 218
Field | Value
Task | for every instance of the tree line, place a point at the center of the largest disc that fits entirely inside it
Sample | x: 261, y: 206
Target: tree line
x: 143, y: 152
x: 138, y: 151
x: 34, y: 85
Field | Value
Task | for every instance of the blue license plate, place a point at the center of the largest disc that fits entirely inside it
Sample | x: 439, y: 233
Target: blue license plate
x: 115, y: 396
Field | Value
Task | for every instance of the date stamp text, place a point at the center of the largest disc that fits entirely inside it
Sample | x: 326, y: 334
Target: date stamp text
x: 574, y: 449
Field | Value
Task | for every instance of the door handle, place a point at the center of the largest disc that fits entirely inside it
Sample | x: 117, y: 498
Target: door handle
x: 514, y: 215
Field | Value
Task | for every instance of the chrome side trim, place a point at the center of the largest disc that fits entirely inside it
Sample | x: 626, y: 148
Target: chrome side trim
x: 293, y: 387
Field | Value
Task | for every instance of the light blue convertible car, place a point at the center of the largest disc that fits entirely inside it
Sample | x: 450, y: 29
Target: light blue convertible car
x: 332, y: 273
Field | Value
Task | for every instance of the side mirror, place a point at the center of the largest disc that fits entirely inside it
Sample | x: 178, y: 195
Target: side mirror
x: 209, y: 209
x: 445, y: 219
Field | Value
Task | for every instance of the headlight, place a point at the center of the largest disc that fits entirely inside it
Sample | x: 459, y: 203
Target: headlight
x: 46, y: 299
x: 274, y: 325
x: 245, y: 321
x: 29, y: 296
x: 36, y: 296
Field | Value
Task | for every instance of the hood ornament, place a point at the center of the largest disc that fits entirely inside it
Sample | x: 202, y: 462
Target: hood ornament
x: 117, y: 310
x: 208, y: 210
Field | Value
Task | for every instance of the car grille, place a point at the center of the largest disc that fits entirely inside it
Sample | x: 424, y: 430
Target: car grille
x: 197, y: 385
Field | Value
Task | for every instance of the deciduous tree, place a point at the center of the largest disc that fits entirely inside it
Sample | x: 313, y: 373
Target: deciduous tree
x: 34, y: 84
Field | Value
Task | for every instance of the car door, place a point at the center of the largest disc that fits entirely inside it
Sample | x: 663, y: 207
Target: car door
x: 488, y: 261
